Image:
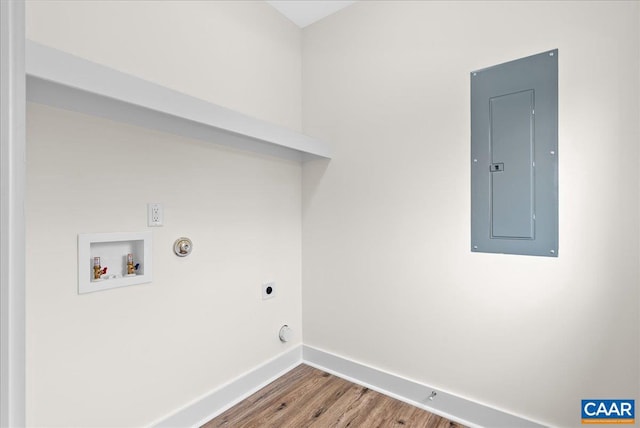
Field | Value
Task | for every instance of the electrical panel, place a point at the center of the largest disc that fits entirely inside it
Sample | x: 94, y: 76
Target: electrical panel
x: 514, y: 157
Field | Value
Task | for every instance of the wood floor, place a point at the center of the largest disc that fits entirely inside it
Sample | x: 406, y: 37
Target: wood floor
x: 307, y: 397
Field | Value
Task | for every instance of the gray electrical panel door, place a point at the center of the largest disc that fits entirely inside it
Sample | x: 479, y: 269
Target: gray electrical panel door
x: 514, y: 157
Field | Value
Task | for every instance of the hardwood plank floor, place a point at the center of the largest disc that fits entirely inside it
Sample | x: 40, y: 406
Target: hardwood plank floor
x: 308, y: 397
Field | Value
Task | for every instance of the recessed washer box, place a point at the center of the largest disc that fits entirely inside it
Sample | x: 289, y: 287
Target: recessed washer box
x: 514, y: 157
x: 113, y: 249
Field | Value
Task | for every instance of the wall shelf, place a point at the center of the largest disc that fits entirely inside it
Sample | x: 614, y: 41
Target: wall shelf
x: 112, y: 249
x: 62, y: 80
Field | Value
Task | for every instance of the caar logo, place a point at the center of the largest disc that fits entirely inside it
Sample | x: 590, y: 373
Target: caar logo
x: 608, y: 411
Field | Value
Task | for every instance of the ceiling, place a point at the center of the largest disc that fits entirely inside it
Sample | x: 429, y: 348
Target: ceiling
x: 306, y: 12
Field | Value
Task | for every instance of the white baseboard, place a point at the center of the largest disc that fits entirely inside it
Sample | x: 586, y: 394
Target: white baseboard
x: 448, y: 405
x: 211, y: 405
x: 444, y: 404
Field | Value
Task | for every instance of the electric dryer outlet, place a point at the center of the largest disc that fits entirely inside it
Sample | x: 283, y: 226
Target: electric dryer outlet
x: 268, y: 290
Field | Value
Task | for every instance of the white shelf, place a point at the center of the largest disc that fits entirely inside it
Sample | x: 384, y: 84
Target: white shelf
x: 112, y: 248
x: 66, y: 81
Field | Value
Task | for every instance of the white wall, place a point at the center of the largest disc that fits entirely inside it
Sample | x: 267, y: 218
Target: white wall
x: 129, y: 356
x: 388, y: 276
x: 239, y: 54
